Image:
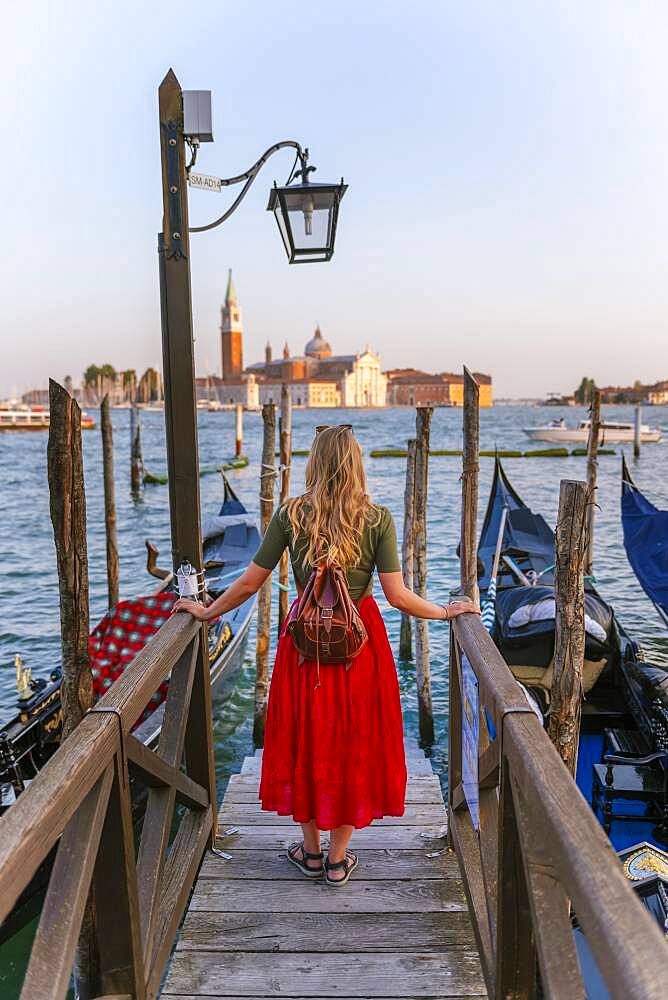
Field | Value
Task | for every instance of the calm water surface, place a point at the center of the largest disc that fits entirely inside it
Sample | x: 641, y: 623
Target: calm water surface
x: 29, y: 621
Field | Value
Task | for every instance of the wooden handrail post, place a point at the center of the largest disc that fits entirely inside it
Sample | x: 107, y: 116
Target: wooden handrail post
x: 267, y: 478
x: 468, y: 550
x: 422, y: 665
x: 569, y: 642
x: 592, y: 474
x: 407, y: 550
x: 285, y: 451
x: 109, y: 502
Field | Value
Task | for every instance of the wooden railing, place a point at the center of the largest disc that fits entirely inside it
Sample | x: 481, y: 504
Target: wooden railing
x: 83, y: 799
x: 532, y: 849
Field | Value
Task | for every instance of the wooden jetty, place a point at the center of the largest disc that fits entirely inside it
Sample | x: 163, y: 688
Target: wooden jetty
x: 126, y: 830
x: 257, y: 928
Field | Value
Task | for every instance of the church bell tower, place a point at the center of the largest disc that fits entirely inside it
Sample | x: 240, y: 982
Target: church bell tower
x: 231, y: 333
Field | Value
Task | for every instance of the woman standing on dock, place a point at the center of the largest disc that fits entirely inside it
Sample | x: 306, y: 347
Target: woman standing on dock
x: 334, y: 752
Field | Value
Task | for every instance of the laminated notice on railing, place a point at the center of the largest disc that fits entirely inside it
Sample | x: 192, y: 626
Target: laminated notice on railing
x: 470, y: 736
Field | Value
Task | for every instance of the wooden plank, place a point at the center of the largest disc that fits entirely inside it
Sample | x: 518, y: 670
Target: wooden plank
x: 161, y: 801
x: 115, y: 883
x: 467, y: 845
x: 39, y: 816
x: 179, y: 873
x: 269, y: 837
x: 265, y: 996
x: 550, y: 911
x: 361, y: 896
x: 415, y: 766
x: 251, y: 812
x: 318, y: 932
x: 426, y: 791
x: 55, y: 942
x: 417, y: 974
x: 154, y: 772
x: 374, y: 864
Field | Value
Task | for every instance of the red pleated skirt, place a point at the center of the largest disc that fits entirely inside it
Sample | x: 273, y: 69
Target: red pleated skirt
x: 335, y: 753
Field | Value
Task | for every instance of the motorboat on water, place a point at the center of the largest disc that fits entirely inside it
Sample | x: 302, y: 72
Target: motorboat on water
x: 617, y: 432
x: 34, y: 418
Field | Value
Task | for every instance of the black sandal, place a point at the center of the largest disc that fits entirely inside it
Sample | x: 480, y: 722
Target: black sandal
x: 349, y: 864
x: 306, y: 856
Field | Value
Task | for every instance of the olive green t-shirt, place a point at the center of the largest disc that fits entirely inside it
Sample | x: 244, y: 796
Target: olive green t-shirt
x: 379, y: 550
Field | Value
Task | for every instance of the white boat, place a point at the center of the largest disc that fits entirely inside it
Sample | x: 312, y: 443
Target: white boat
x: 558, y: 432
x: 34, y: 418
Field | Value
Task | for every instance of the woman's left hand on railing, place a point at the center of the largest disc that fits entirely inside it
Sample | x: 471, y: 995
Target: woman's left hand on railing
x: 198, y: 611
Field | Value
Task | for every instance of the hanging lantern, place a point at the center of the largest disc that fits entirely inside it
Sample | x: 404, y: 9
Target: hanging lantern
x: 307, y: 215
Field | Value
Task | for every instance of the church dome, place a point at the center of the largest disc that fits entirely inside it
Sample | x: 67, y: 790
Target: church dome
x: 317, y: 346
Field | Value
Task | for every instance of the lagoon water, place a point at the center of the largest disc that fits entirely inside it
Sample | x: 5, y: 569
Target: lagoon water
x: 29, y: 617
x: 29, y: 622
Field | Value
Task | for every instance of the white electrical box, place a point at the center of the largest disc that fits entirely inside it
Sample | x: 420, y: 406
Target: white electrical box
x: 197, y: 123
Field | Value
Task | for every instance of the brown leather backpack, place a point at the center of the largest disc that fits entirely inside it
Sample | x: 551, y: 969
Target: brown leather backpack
x: 325, y: 625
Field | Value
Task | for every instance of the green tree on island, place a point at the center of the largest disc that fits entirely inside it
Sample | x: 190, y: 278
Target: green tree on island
x: 585, y: 391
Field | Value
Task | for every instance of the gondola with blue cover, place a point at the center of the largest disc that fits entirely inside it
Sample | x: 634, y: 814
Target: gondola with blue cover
x: 623, y: 751
x: 646, y: 542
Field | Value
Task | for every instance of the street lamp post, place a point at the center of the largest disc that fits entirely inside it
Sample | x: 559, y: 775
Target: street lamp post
x: 315, y: 207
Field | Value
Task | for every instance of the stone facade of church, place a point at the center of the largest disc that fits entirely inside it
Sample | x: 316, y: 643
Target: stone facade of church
x: 318, y: 377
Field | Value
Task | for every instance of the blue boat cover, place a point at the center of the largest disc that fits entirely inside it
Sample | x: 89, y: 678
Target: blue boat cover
x: 646, y: 543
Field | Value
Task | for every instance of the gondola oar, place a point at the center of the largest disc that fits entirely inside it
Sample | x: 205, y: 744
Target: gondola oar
x: 489, y: 607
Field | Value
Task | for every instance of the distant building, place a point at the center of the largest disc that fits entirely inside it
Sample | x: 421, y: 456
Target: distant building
x: 658, y: 394
x: 412, y: 387
x: 317, y: 378
x: 231, y: 333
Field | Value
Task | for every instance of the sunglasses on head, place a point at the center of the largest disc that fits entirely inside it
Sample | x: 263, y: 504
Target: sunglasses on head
x: 327, y: 427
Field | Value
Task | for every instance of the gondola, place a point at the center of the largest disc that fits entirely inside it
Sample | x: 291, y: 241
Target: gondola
x: 646, y: 542
x: 27, y: 741
x: 623, y: 749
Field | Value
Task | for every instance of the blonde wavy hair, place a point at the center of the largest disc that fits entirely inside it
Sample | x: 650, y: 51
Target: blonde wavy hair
x: 335, y: 507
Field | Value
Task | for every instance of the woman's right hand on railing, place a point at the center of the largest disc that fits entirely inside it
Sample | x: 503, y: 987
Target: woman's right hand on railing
x: 455, y: 608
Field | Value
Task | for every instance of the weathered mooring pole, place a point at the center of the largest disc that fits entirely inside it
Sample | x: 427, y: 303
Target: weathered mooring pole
x: 285, y: 459
x: 407, y: 550
x: 136, y: 460
x: 238, y: 430
x: 637, y: 432
x: 422, y: 664
x: 569, y: 643
x: 68, y: 516
x: 180, y: 410
x: 592, y: 475
x: 267, y: 478
x: 109, y: 502
x: 468, y: 551
x: 67, y: 501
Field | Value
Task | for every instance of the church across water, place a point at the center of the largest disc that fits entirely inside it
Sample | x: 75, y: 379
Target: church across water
x: 318, y: 377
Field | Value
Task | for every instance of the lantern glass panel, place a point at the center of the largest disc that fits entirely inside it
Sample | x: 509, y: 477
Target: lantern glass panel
x: 306, y: 215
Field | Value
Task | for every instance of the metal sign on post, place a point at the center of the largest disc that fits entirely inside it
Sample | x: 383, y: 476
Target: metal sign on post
x: 205, y: 182
x: 470, y: 737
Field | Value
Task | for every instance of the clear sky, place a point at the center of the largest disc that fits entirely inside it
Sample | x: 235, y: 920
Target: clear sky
x: 507, y: 207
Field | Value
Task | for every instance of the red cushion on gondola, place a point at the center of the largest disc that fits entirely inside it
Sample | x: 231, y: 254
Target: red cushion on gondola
x: 121, y: 634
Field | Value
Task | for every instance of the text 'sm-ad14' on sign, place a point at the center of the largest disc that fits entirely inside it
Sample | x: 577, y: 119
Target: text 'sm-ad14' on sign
x: 205, y: 182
